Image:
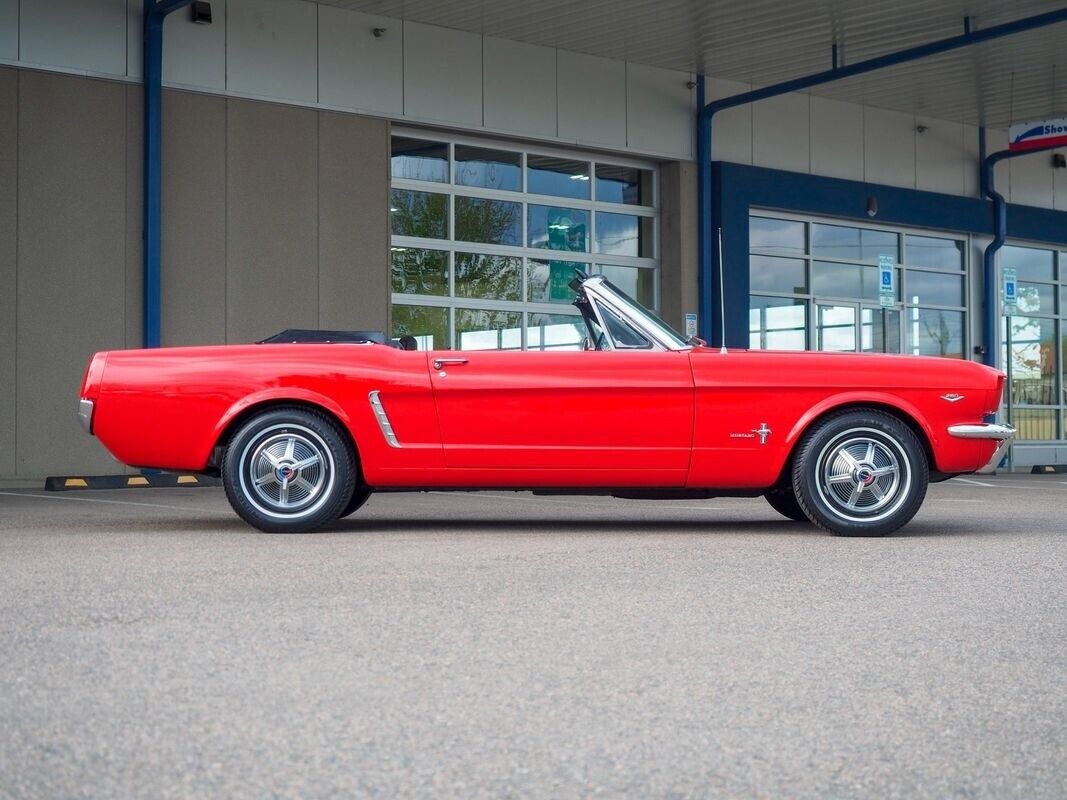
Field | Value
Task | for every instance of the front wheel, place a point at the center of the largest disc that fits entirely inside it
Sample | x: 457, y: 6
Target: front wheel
x: 860, y: 473
x: 289, y: 470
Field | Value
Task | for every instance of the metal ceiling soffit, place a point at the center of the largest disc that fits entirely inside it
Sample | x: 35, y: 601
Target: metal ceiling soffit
x: 709, y: 310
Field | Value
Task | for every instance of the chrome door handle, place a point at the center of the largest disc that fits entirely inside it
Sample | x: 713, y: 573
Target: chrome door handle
x: 439, y: 363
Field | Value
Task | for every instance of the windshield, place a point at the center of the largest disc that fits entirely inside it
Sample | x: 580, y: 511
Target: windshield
x: 651, y: 319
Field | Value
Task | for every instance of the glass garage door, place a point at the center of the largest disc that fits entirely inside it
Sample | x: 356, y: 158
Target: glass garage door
x: 485, y: 238
x: 814, y: 285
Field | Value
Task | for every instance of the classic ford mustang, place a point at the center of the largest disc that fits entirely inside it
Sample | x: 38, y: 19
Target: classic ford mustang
x: 304, y: 427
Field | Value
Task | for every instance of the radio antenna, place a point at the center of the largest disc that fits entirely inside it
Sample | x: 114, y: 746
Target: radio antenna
x: 722, y: 300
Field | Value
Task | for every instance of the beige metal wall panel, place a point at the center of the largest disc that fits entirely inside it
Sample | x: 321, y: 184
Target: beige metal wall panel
x: 519, y: 84
x: 75, y: 34
x: 8, y: 266
x: 659, y: 111
x: 889, y: 147
x: 72, y: 260
x: 836, y: 139
x: 353, y: 222
x: 271, y: 219
x: 134, y: 216
x: 781, y: 133
x: 940, y: 157
x: 731, y: 137
x: 972, y: 162
x: 9, y: 29
x: 271, y: 49
x: 678, y: 233
x: 1032, y: 180
x: 442, y: 74
x: 358, y: 70
x: 194, y: 219
x: 591, y: 93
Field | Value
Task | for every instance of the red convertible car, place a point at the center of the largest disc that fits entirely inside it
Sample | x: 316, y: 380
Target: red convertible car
x: 304, y: 428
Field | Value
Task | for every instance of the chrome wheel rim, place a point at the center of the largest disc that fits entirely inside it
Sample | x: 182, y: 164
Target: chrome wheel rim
x: 863, y: 475
x: 287, y: 471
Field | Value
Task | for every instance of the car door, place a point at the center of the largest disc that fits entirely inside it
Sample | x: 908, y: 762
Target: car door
x: 623, y: 416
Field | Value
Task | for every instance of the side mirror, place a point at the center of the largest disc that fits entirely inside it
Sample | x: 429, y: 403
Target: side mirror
x: 587, y: 344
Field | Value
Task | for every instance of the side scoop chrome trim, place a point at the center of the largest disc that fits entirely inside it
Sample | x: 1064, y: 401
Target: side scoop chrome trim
x: 383, y: 419
x: 85, y: 415
x: 986, y: 430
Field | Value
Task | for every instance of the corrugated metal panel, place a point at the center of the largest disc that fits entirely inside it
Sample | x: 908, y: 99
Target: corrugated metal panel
x: 767, y: 41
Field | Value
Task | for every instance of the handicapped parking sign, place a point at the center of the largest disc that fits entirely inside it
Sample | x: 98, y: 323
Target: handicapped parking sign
x: 887, y: 292
x: 1011, y: 295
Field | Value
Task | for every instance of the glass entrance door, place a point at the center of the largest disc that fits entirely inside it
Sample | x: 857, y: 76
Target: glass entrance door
x: 855, y: 328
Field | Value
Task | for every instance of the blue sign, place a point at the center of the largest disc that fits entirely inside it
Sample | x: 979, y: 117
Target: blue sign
x: 887, y: 290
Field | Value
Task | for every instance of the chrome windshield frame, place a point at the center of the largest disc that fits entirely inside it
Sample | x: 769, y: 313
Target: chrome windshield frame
x: 598, y: 290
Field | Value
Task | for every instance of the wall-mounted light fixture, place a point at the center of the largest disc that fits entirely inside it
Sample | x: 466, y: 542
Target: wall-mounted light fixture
x: 872, y: 206
x: 200, y: 12
x: 379, y: 32
x: 1059, y: 161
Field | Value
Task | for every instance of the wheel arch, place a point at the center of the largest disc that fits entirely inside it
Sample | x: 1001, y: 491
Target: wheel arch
x: 241, y: 412
x: 892, y: 406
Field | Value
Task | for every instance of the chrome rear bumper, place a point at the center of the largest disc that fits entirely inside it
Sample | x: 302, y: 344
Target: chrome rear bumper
x: 986, y: 430
x: 85, y: 415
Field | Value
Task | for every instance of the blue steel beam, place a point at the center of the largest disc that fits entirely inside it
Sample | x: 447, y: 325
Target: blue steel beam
x: 154, y: 14
x: 990, y: 337
x: 707, y: 267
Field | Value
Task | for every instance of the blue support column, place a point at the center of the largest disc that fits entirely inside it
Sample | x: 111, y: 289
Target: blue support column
x: 154, y: 14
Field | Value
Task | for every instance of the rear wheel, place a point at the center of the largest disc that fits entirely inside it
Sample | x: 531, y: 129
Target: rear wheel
x: 289, y: 470
x: 785, y: 503
x: 860, y: 473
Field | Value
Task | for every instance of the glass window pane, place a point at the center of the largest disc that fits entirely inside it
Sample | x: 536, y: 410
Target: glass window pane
x: 861, y: 244
x: 879, y: 330
x: 777, y: 323
x: 1063, y: 301
x: 427, y: 324
x: 418, y: 271
x: 930, y: 288
x: 1029, y: 263
x: 554, y: 332
x: 419, y: 160
x: 488, y: 221
x: 623, y: 235
x: 776, y: 236
x: 419, y: 214
x: 1034, y: 424
x: 1036, y: 298
x: 622, y: 333
x: 547, y: 281
x: 488, y: 277
x: 836, y: 280
x: 627, y: 185
x: 489, y: 169
x: 637, y: 282
x: 1031, y: 360
x: 481, y: 329
x: 934, y: 333
x: 558, y: 228
x: 928, y: 251
x: 771, y: 274
x: 559, y: 177
x: 835, y: 330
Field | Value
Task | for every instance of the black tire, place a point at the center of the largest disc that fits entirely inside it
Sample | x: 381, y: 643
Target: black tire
x: 359, y: 496
x: 785, y: 503
x: 289, y: 470
x: 860, y: 473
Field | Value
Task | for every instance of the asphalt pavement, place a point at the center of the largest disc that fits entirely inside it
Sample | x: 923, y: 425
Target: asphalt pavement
x: 502, y: 645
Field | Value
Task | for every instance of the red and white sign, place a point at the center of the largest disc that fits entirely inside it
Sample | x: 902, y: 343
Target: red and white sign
x: 1033, y: 135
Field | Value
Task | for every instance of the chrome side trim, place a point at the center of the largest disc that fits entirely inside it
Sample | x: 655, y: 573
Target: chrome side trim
x: 85, y: 415
x: 983, y: 430
x: 383, y: 419
x: 986, y: 430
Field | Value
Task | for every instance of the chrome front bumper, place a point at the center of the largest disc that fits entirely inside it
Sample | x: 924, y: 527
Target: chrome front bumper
x: 85, y: 415
x: 986, y: 430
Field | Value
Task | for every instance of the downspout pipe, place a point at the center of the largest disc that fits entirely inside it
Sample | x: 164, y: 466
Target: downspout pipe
x: 991, y: 287
x: 155, y: 12
x: 707, y: 222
